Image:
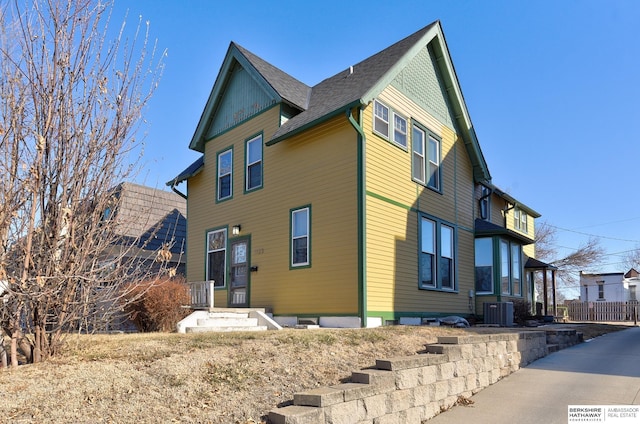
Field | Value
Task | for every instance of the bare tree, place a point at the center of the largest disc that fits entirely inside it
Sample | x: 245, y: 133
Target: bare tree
x: 569, y: 266
x: 71, y: 102
x: 632, y: 259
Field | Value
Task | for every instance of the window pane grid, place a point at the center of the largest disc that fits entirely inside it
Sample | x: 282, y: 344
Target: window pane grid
x: 254, y: 163
x: 300, y: 237
x: 217, y: 257
x: 225, y: 169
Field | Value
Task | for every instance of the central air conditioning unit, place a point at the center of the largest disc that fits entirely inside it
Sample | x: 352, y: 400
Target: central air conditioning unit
x: 500, y: 313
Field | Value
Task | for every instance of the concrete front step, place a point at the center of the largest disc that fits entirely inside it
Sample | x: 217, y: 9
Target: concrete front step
x: 224, y: 329
x: 227, y: 322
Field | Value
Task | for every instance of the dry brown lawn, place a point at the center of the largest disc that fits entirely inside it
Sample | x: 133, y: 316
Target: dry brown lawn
x: 201, y: 378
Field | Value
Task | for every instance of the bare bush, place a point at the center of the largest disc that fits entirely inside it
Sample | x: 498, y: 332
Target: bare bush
x: 71, y: 101
x: 157, y: 306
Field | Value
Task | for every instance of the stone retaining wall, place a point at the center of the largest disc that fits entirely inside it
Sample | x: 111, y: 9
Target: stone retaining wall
x: 412, y: 389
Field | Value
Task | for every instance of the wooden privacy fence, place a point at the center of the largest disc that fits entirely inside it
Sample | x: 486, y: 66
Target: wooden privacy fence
x: 603, y: 311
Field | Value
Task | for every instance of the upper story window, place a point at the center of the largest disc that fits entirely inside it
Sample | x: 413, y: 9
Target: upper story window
x: 253, y: 166
x: 437, y: 261
x: 485, y: 203
x: 225, y: 175
x: 426, y: 158
x: 381, y: 119
x: 520, y: 220
x: 399, y: 130
x: 433, y: 168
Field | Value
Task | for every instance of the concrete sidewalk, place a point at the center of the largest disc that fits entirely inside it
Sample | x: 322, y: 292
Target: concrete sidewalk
x: 603, y: 371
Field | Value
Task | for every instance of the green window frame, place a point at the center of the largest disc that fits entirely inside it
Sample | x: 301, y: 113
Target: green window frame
x: 484, y: 265
x: 426, y: 159
x: 224, y: 175
x: 216, y: 263
x: 300, y: 237
x: 253, y: 163
x: 434, y: 172
x: 437, y: 264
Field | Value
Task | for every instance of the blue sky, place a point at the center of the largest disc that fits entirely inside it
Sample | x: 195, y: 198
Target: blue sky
x: 551, y: 87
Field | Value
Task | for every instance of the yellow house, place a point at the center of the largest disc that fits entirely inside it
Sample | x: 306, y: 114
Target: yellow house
x: 351, y: 203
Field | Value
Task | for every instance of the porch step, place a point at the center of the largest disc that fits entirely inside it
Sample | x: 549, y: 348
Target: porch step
x: 227, y: 319
x: 225, y: 329
x: 239, y: 321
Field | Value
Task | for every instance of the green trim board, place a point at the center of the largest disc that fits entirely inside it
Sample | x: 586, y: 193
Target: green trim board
x: 396, y: 315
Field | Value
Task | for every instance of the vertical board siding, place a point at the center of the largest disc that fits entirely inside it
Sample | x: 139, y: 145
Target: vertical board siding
x: 318, y: 170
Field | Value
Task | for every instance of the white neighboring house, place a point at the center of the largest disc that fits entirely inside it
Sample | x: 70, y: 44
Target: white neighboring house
x: 609, y: 287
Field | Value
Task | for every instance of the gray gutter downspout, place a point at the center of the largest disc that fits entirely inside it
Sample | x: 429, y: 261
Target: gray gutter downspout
x: 362, y: 278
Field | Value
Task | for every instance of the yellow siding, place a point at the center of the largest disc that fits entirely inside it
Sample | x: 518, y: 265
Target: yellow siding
x: 316, y: 169
x: 392, y: 216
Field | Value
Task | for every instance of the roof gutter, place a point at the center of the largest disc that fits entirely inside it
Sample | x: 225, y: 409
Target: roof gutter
x: 313, y: 123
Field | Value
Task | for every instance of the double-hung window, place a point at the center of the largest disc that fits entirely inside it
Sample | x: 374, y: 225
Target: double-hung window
x: 225, y: 175
x: 417, y: 140
x: 253, y: 170
x: 217, y: 256
x: 433, y: 167
x: 399, y: 130
x: 381, y: 119
x: 301, y: 237
x: 437, y: 255
x: 426, y: 158
x: 520, y: 220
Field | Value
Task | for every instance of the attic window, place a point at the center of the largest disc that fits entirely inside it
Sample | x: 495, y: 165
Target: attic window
x: 381, y: 119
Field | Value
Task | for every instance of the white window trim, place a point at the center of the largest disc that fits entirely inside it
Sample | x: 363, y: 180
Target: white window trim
x: 420, y: 156
x: 405, y: 133
x: 220, y: 175
x: 375, y: 117
x: 248, y: 164
x: 307, y: 235
x: 434, y: 163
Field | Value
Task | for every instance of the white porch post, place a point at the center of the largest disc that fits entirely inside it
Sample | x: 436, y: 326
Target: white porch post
x: 211, y: 282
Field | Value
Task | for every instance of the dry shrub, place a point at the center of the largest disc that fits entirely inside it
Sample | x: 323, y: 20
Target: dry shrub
x: 157, y: 305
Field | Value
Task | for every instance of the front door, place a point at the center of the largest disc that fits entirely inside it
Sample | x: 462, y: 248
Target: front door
x: 238, y: 292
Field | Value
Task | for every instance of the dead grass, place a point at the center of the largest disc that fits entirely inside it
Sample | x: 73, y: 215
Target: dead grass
x: 201, y: 378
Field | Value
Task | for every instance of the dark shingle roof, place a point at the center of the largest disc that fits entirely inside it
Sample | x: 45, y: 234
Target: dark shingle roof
x: 348, y: 87
x: 290, y: 89
x: 486, y: 228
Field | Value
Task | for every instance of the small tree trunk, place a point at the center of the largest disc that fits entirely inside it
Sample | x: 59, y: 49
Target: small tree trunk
x: 3, y: 352
x: 14, y: 350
